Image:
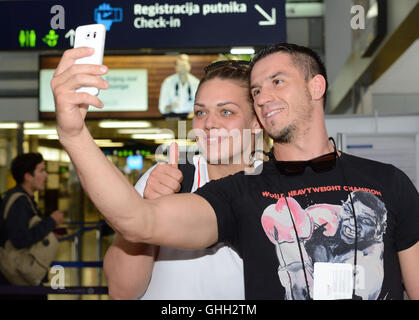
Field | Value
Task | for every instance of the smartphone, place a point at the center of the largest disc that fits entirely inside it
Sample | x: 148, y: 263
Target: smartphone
x: 91, y: 35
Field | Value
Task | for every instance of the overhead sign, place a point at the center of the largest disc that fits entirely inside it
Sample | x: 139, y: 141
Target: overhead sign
x: 133, y: 24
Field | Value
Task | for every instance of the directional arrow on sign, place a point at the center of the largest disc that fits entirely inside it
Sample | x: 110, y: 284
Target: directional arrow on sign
x: 270, y: 19
x: 70, y: 34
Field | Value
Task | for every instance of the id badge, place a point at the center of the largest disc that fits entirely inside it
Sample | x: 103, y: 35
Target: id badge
x: 332, y: 281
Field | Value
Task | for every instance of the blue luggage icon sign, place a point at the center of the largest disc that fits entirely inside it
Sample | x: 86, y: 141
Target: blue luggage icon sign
x: 107, y: 15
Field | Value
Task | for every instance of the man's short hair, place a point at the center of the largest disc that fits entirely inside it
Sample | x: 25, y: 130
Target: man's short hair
x: 303, y: 58
x: 24, y: 163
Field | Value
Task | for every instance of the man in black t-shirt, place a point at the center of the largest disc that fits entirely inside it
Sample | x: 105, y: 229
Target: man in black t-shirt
x: 283, y: 257
x: 284, y: 225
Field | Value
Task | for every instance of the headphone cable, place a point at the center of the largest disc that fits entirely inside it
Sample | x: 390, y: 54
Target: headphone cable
x: 354, y: 296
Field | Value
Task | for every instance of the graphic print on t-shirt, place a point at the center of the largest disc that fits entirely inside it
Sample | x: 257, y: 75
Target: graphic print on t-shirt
x: 326, y: 233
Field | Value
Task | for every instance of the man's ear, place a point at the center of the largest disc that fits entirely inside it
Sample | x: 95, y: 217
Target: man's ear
x: 317, y: 87
x: 27, y: 177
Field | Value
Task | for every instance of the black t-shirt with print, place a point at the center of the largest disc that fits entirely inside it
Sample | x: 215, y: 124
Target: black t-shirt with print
x: 253, y: 216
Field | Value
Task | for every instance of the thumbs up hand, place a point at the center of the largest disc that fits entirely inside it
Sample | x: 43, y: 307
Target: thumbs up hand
x: 173, y: 154
x: 165, y: 179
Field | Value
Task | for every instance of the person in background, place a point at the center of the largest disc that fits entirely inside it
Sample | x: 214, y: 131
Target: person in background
x: 178, y: 90
x: 222, y: 104
x: 30, y: 175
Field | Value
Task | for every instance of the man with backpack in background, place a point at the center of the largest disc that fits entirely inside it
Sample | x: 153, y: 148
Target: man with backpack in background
x: 17, y: 212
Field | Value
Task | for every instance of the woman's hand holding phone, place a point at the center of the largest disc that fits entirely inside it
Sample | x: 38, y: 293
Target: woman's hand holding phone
x: 75, y: 83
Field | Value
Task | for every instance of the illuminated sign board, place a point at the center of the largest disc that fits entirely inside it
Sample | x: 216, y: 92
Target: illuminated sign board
x: 135, y: 162
x: 127, y: 91
x: 133, y: 24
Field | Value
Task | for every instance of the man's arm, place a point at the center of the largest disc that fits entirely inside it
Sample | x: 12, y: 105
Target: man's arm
x: 406, y: 200
x: 409, y: 263
x: 184, y: 221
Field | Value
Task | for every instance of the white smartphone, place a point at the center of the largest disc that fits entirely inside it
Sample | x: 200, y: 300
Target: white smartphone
x: 91, y: 35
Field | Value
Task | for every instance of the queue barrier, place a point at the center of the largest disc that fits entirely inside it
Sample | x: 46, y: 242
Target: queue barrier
x: 77, y: 224
x: 42, y: 290
x: 78, y: 264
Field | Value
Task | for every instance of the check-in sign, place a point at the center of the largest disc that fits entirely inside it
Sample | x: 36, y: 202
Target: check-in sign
x: 134, y: 24
x: 209, y: 23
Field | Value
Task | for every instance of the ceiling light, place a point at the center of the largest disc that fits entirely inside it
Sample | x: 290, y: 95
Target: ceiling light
x: 110, y: 144
x: 153, y: 136
x: 52, y: 137
x: 26, y: 125
x: 180, y: 142
x: 40, y: 131
x: 304, y: 10
x: 124, y: 124
x: 133, y: 131
x: 8, y: 125
x: 373, y: 11
x: 33, y: 125
x: 53, y: 154
x: 242, y: 50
